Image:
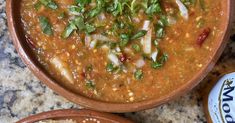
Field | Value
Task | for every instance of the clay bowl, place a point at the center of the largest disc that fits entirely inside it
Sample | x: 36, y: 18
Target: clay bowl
x: 81, y: 116
x: 14, y: 23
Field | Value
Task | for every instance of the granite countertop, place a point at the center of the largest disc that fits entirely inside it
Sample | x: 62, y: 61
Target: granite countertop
x: 22, y: 94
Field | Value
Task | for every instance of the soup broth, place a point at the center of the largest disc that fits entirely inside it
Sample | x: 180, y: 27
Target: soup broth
x: 122, y: 50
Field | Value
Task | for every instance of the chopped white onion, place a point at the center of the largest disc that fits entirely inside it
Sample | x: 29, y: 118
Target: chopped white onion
x: 118, y: 49
x: 140, y: 63
x: 93, y: 44
x: 101, y: 17
x: 154, y: 56
x: 146, y: 25
x: 136, y: 19
x: 87, y: 40
x: 147, y: 42
x: 183, y: 9
x: 60, y: 66
x: 100, y: 37
x: 114, y: 59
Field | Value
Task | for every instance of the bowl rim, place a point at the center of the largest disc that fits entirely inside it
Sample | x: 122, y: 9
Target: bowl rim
x: 64, y: 114
x: 109, y: 106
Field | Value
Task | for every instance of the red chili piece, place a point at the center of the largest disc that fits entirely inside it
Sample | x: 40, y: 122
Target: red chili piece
x: 123, y: 57
x: 203, y: 36
x: 83, y: 75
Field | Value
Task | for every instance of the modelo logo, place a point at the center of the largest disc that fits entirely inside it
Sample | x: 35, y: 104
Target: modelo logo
x: 226, y: 101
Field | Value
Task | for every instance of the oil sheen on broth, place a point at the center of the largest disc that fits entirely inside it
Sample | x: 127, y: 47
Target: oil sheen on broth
x: 122, y: 50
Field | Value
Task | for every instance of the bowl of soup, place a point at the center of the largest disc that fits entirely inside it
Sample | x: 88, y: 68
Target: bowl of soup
x: 120, y: 55
x: 74, y: 116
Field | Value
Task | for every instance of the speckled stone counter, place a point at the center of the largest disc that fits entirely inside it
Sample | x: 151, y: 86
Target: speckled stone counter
x: 22, y: 94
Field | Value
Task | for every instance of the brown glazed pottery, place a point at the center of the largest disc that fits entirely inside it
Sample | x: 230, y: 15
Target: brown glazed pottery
x: 17, y: 34
x: 80, y: 116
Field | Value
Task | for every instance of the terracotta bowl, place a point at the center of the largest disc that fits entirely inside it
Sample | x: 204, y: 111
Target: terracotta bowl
x: 81, y: 116
x: 17, y: 33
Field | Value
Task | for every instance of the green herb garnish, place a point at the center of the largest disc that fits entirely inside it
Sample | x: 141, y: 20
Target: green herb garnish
x: 202, y: 4
x: 90, y: 84
x: 82, y: 2
x: 160, y: 27
x: 90, y: 28
x: 124, y: 40
x: 75, y: 10
x: 154, y: 8
x: 38, y: 5
x: 98, y: 9
x: 77, y: 23
x: 160, y: 62
x: 139, y: 34
x: 136, y: 47
x: 49, y: 3
x: 89, y: 68
x: 61, y: 15
x: 138, y: 74
x: 110, y: 67
x: 189, y: 2
x: 68, y: 30
x: 156, y: 42
x: 45, y: 25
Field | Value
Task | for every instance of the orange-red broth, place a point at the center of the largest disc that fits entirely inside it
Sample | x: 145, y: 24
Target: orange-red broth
x: 186, y: 57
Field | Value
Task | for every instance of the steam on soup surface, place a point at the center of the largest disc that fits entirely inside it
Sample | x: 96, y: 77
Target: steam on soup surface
x: 122, y: 50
